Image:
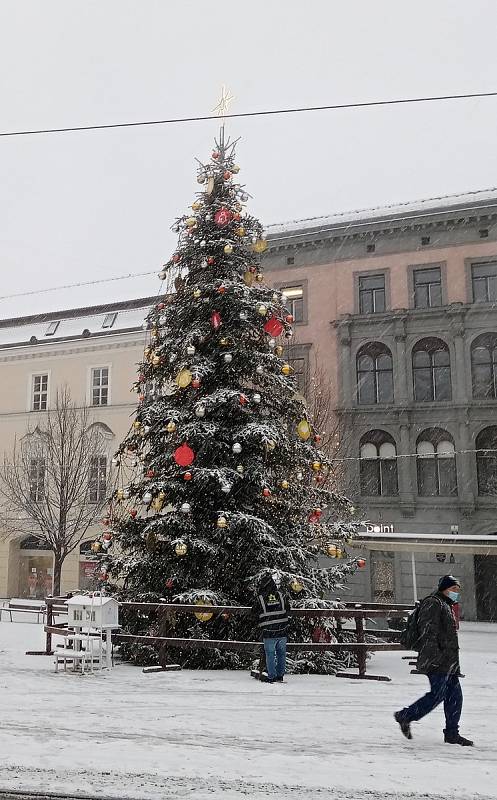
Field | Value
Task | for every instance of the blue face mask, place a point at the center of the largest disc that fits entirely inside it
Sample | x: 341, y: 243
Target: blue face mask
x: 454, y: 596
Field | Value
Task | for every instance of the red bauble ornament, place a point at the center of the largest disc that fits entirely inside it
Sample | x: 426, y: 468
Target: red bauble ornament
x: 184, y: 455
x: 102, y: 576
x: 243, y: 399
x: 169, y: 583
x: 107, y: 536
x: 289, y: 318
x: 221, y: 289
x: 211, y: 260
x: 253, y: 268
x: 141, y: 398
x: 266, y: 492
x: 133, y: 513
x: 225, y: 615
x: 273, y: 326
x: 216, y: 321
x: 237, y: 216
x: 176, y: 257
x: 361, y: 563
x: 187, y: 476
x: 141, y: 377
x: 317, y: 438
x: 223, y: 217
x: 215, y: 155
x: 160, y: 306
x: 150, y: 473
x: 227, y: 175
x: 196, y: 383
x: 106, y: 521
x: 317, y: 512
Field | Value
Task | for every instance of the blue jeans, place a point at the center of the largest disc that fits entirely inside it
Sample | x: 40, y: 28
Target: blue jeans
x: 444, y: 688
x: 275, y: 650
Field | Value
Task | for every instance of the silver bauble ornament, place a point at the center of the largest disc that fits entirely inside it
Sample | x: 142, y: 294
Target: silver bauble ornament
x: 259, y: 369
x: 240, y: 469
x: 203, y: 243
x: 271, y: 344
x: 237, y: 448
x: 200, y: 411
x: 243, y: 315
x: 190, y: 350
x: 186, y: 508
x: 228, y: 358
x: 256, y: 398
x: 147, y: 498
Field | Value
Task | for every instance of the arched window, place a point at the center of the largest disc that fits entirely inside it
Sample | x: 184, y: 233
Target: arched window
x: 486, y: 460
x: 484, y: 366
x: 378, y: 464
x: 436, y: 460
x: 431, y: 370
x: 374, y: 374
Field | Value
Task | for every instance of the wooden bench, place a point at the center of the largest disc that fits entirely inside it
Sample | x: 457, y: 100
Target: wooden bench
x: 16, y: 606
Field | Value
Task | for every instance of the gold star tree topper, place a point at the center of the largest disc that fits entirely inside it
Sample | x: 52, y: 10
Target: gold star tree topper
x: 225, y: 102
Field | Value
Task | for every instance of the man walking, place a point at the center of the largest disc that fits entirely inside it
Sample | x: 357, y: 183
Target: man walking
x: 438, y: 659
x: 271, y: 609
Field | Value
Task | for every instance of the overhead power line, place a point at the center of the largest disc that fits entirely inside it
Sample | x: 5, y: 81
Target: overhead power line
x: 267, y: 113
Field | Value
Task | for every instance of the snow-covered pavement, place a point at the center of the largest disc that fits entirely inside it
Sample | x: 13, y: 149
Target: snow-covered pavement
x: 222, y: 735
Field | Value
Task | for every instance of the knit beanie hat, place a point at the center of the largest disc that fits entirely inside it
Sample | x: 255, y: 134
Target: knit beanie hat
x: 446, y: 582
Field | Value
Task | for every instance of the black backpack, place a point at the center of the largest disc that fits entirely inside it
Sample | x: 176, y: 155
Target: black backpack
x: 410, y: 636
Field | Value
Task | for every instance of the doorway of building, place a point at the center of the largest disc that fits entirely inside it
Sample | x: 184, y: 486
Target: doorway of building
x: 35, y: 569
x: 486, y: 588
x: 382, y: 577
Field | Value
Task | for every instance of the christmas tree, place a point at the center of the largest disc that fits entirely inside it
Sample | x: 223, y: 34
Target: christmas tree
x: 220, y: 478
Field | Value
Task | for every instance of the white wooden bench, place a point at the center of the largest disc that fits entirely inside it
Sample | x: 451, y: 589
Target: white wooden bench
x: 21, y: 606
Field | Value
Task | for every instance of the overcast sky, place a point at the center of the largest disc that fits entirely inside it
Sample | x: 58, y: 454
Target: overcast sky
x: 94, y: 205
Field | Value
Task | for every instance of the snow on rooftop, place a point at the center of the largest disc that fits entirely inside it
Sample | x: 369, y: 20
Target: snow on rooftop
x: 406, y: 209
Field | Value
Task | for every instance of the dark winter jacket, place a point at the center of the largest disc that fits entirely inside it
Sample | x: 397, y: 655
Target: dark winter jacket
x: 271, y: 611
x: 439, y: 648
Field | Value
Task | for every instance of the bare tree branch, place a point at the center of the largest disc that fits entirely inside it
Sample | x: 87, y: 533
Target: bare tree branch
x: 46, y: 480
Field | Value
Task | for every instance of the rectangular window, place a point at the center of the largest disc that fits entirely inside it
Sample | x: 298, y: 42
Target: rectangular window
x: 39, y: 393
x: 109, y: 320
x: 371, y: 294
x: 37, y: 479
x: 484, y: 280
x: 383, y: 579
x: 52, y: 328
x: 294, y: 301
x: 100, y: 386
x: 427, y: 288
x: 300, y: 371
x: 98, y: 479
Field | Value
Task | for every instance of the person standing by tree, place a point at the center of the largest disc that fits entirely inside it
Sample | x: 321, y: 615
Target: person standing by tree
x: 439, y: 660
x: 271, y: 609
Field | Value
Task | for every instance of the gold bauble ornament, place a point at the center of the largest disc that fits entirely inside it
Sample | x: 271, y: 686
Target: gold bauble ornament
x: 261, y: 309
x: 224, y: 342
x: 248, y: 278
x: 197, y: 293
x: 191, y: 222
x: 151, y: 541
x: 156, y: 361
x: 278, y: 350
x: 222, y: 522
x: 197, y: 205
x: 137, y: 424
x: 339, y: 553
x: 332, y: 550
x: 316, y: 465
x: 259, y: 246
x: 296, y: 586
x: 171, y: 426
x: 184, y: 378
x: 228, y: 249
x: 349, y: 541
x: 235, y: 169
x: 181, y: 548
x: 304, y: 430
x: 161, y: 496
x: 203, y: 616
x: 284, y: 484
x: 259, y: 277
x: 95, y: 547
x: 287, y: 369
x: 270, y: 444
x: 157, y: 504
x: 240, y: 231
x: 120, y: 494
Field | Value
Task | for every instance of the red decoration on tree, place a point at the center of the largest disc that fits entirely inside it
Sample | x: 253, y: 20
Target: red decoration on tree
x: 150, y: 473
x: 216, y: 321
x: 176, y: 257
x: 361, y: 563
x: 187, y: 476
x: 227, y: 175
x: 107, y: 536
x: 266, y: 492
x: 211, y: 260
x: 215, y: 155
x: 196, y: 383
x: 243, y: 399
x: 106, y: 521
x: 289, y: 318
x: 160, y: 306
x: 221, y: 289
x: 169, y: 583
x: 133, y: 513
x: 184, y: 455
x: 273, y: 326
x: 317, y: 438
x: 315, y: 515
x: 223, y: 217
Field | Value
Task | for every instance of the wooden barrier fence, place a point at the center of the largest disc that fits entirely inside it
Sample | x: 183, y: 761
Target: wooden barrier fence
x: 358, y: 613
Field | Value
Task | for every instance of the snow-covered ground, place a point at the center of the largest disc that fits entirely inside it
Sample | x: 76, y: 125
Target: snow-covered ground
x: 222, y: 735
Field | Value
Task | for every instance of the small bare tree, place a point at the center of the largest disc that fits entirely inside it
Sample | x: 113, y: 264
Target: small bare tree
x: 54, y: 481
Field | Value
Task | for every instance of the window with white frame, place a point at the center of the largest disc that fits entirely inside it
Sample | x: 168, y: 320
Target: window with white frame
x: 39, y: 393
x: 100, y: 386
x: 37, y: 479
x: 98, y: 479
x: 294, y: 301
